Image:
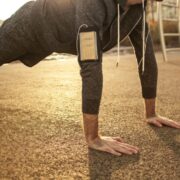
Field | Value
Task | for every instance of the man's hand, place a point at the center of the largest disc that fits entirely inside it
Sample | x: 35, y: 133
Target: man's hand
x: 159, y: 121
x: 113, y: 145
x: 154, y: 119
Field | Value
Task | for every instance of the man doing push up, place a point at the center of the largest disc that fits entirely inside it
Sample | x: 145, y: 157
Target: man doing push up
x: 85, y: 28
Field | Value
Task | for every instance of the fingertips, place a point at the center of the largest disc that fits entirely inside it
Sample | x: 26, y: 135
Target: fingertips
x: 177, y: 126
x: 129, y: 150
x: 133, y: 150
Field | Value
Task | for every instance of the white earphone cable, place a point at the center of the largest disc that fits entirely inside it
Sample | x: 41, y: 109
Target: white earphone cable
x: 82, y: 25
x: 118, y: 38
x: 143, y: 36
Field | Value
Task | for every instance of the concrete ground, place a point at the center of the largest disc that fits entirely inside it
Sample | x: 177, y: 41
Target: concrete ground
x: 41, y: 134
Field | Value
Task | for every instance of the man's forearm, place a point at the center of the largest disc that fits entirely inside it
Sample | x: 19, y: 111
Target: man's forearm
x: 90, y: 61
x: 150, y: 107
x: 90, y: 126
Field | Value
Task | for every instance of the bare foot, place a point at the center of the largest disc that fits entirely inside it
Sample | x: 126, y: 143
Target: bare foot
x: 112, y: 145
x: 159, y: 121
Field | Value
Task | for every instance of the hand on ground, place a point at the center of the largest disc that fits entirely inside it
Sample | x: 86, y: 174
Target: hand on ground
x: 159, y: 121
x: 113, y: 145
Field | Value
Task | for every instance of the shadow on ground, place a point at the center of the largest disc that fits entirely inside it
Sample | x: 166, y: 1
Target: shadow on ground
x: 171, y: 137
x: 103, y: 164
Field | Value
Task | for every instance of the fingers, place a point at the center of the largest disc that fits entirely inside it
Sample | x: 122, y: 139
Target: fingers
x: 177, y: 125
x: 112, y: 151
x: 113, y: 146
x: 169, y: 122
x: 160, y: 121
x: 130, y: 146
x: 127, y: 149
x: 172, y: 124
x: 118, y: 139
x: 155, y: 122
x: 121, y: 147
x: 124, y: 148
x: 118, y: 148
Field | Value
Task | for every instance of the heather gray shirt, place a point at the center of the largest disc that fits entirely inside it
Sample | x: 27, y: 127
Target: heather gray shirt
x: 59, y: 20
x: 44, y: 26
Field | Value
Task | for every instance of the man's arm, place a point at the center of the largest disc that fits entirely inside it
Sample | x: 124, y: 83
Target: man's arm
x: 154, y: 119
x: 149, y: 77
x: 90, y: 61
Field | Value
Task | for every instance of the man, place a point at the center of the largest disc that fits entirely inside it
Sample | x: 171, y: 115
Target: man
x: 86, y: 28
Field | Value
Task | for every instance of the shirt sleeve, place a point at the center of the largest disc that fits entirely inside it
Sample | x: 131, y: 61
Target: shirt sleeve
x: 92, y: 83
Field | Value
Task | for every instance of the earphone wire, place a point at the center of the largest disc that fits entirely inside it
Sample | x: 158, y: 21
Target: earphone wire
x: 81, y: 26
x: 143, y: 36
x: 118, y: 38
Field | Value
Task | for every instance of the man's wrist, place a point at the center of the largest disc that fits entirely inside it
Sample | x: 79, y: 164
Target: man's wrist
x: 90, y: 127
x: 90, y: 141
x: 148, y: 116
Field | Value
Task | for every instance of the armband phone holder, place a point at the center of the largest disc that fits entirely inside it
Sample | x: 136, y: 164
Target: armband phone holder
x: 89, y: 45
